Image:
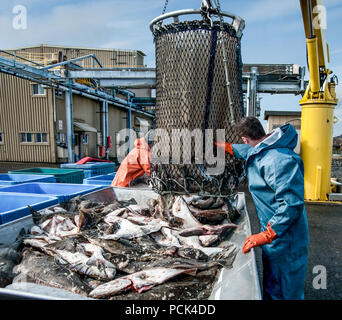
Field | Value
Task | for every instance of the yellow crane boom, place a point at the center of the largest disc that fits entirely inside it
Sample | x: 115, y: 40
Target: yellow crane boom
x: 318, y: 104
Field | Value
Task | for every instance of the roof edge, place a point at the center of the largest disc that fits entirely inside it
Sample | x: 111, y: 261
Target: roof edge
x: 76, y: 47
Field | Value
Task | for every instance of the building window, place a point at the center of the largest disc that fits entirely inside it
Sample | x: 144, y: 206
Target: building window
x: 41, y: 137
x: 59, y: 93
x: 1, y: 138
x: 38, y: 90
x: 26, y: 137
x: 60, y: 137
x: 85, y: 138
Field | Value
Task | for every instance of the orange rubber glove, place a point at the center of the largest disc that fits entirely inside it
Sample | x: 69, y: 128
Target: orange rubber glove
x: 226, y: 146
x: 259, y: 239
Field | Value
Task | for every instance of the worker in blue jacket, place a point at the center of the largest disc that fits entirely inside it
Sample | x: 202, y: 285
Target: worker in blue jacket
x: 276, y: 181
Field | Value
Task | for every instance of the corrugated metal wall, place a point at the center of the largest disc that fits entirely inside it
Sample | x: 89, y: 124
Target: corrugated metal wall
x: 108, y: 58
x: 117, y: 120
x: 277, y: 121
x: 20, y: 111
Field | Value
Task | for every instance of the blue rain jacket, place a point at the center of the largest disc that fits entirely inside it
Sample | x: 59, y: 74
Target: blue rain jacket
x: 276, y: 181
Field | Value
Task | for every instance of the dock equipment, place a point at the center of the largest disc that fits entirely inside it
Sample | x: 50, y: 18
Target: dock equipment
x: 203, y: 93
x: 318, y: 104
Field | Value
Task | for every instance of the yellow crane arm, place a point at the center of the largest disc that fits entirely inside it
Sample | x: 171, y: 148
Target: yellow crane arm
x: 316, y: 9
x: 318, y: 105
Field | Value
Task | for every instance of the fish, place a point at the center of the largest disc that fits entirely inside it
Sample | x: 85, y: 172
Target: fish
x: 57, y: 222
x: 139, y: 281
x: 226, y: 256
x: 10, y: 255
x: 82, y: 257
x: 123, y: 249
x: 194, y: 242
x: 165, y: 238
x: 208, y: 216
x: 207, y: 230
x: 61, y: 226
x: 111, y: 207
x: 141, y: 210
x: 163, y: 210
x: 41, y: 243
x: 207, y: 241
x: 130, y: 256
x: 187, y: 288
x: 181, y: 210
x: 95, y: 267
x: 217, y: 204
x: 42, y: 269
x: 128, y: 230
x: 203, y: 203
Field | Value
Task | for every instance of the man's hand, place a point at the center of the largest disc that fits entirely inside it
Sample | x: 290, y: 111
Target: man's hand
x: 226, y: 146
x: 259, y: 239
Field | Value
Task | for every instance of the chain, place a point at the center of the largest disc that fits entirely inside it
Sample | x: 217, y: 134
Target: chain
x: 225, y: 61
x: 165, y: 6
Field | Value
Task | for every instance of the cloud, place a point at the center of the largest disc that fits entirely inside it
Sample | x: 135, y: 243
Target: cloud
x: 95, y: 23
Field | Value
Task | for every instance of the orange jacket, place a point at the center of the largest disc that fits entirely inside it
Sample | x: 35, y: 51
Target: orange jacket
x: 135, y: 165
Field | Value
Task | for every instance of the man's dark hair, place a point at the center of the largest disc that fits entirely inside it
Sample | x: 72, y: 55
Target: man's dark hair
x: 250, y: 127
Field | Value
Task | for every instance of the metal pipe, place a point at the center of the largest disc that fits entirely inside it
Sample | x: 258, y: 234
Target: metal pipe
x: 253, y: 91
x: 69, y: 123
x: 129, y: 121
x: 313, y: 64
x: 248, y: 97
x: 107, y: 129
x: 72, y: 60
x: 48, y: 78
x: 15, y: 56
x: 54, y: 104
x: 103, y: 122
x: 311, y: 32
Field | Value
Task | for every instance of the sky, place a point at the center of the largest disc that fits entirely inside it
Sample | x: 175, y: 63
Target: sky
x: 274, y: 32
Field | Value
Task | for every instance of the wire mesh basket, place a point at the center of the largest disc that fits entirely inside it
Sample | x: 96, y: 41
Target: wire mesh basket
x: 191, y: 94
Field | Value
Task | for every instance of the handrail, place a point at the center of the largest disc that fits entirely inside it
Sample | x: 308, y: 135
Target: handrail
x: 238, y: 23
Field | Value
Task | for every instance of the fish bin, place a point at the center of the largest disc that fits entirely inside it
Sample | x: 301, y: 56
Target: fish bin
x: 15, y: 205
x: 62, y: 191
x: 91, y: 169
x: 104, y: 180
x: 61, y: 175
x: 11, y: 179
x: 237, y: 281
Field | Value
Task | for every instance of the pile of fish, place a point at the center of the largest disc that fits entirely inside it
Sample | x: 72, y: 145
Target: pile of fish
x: 171, y: 248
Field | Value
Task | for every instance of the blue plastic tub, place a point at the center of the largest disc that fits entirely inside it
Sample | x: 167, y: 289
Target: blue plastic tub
x: 14, y: 206
x: 61, y: 175
x: 62, y: 191
x: 11, y: 179
x: 91, y: 169
x: 105, y: 180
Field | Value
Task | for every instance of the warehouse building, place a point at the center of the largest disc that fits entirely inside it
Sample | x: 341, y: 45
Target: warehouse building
x: 109, y: 58
x: 276, y: 119
x: 33, y: 116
